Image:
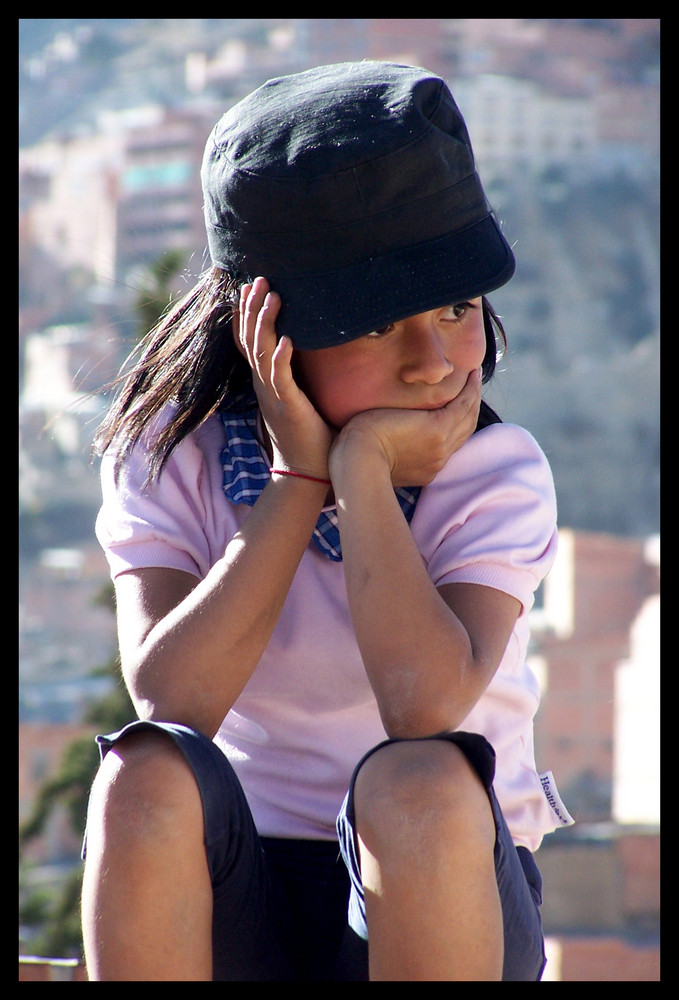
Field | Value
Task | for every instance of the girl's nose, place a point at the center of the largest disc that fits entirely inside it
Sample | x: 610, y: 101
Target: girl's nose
x: 425, y: 351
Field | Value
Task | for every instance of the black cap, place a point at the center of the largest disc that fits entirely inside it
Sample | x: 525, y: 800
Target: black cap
x: 352, y: 188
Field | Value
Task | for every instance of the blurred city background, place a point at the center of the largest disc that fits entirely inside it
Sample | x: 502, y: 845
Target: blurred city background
x: 563, y: 114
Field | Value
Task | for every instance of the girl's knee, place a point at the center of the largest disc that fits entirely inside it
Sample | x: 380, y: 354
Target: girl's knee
x: 143, y: 787
x: 422, y: 789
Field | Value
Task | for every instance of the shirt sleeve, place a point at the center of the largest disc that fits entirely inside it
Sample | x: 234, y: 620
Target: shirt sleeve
x: 490, y: 516
x: 161, y: 524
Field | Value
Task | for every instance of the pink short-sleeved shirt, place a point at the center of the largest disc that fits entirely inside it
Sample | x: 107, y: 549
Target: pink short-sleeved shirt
x: 308, y: 713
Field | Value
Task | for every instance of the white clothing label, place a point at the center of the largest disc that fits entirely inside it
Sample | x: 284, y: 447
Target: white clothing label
x: 554, y: 799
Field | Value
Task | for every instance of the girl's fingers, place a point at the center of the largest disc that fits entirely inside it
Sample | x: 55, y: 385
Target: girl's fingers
x: 269, y: 357
x: 258, y: 310
x: 298, y: 435
x: 244, y: 333
x: 282, y: 378
x: 461, y: 414
x: 469, y: 396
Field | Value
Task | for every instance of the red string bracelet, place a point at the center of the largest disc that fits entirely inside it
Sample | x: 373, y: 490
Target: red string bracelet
x: 299, y: 475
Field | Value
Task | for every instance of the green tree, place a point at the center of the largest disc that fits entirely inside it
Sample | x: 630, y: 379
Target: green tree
x: 157, y: 288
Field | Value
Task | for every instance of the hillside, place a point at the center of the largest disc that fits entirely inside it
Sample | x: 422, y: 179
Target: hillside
x: 583, y: 367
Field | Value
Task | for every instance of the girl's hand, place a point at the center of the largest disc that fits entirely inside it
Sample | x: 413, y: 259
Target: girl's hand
x: 300, y: 438
x: 415, y: 444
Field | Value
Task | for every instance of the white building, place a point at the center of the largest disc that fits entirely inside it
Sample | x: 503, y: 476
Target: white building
x: 636, y: 785
x: 514, y: 122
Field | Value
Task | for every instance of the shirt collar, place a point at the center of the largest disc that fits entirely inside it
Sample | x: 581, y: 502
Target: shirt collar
x: 246, y: 472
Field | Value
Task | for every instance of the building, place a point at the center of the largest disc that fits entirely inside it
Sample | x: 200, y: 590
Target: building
x: 159, y: 204
x: 96, y: 208
x: 596, y: 649
x: 515, y: 123
x: 601, y: 590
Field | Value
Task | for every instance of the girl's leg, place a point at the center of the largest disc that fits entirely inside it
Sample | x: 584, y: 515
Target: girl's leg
x: 447, y: 894
x: 147, y: 895
x: 172, y: 855
x: 426, y: 837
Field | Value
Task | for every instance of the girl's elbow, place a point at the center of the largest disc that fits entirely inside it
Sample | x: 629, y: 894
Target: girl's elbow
x: 150, y: 708
x: 420, y: 715
x: 412, y: 708
x: 204, y: 722
x: 413, y: 722
x: 160, y: 703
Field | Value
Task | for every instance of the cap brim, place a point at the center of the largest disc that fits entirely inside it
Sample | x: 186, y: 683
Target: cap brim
x: 325, y: 309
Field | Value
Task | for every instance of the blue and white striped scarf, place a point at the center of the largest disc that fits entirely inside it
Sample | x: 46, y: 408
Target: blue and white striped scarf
x: 246, y: 473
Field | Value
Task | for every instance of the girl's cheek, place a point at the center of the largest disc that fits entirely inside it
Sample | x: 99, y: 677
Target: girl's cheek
x: 339, y: 406
x: 335, y: 411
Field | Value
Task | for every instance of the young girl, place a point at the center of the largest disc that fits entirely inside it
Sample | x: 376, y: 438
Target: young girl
x: 324, y: 548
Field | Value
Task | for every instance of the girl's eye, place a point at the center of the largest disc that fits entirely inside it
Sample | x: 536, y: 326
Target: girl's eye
x: 381, y: 331
x: 450, y: 313
x: 458, y: 310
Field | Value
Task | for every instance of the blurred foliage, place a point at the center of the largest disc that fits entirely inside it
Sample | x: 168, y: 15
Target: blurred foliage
x: 156, y: 289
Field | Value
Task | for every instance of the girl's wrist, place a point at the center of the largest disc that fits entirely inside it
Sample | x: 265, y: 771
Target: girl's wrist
x: 357, y: 445
x: 293, y: 473
x: 356, y: 460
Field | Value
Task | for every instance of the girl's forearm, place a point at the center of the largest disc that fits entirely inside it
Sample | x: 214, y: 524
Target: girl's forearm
x: 196, y: 659
x: 416, y: 652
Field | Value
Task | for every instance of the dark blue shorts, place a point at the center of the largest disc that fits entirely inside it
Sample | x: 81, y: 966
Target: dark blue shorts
x: 293, y: 910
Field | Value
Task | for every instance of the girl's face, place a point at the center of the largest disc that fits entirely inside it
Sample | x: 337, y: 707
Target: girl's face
x: 421, y: 362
